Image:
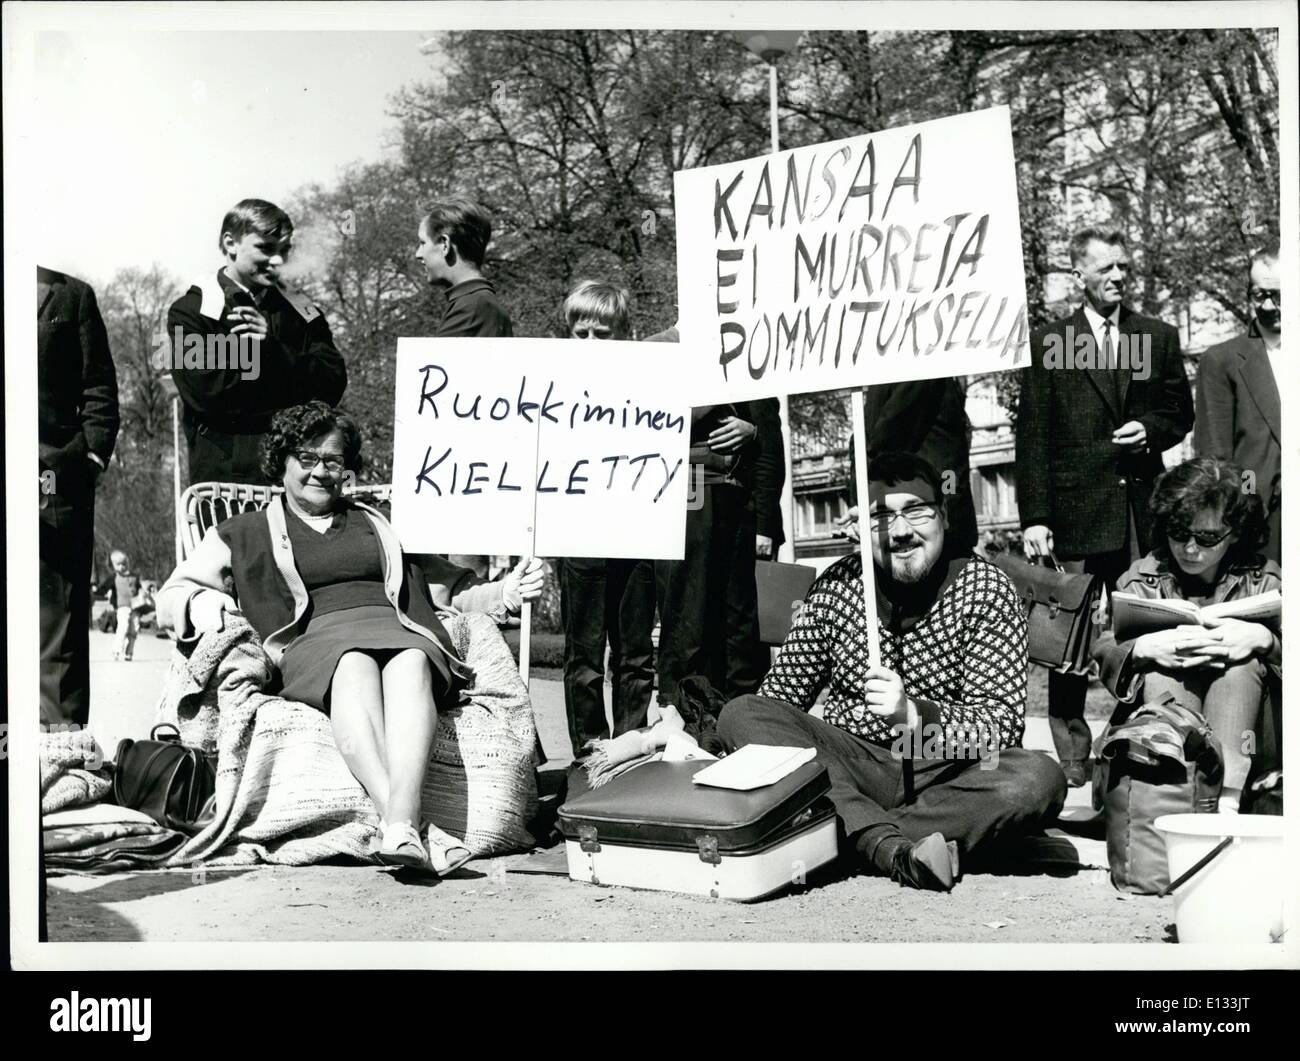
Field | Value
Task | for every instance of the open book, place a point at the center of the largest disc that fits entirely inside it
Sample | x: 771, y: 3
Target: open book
x: 754, y: 766
x: 1135, y: 616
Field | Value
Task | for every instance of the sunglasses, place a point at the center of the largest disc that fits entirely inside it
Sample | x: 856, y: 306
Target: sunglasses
x: 1260, y: 295
x: 1205, y: 539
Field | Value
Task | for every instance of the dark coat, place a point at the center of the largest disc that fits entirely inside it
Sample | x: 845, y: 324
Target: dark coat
x: 927, y: 417
x: 474, y: 310
x: 1239, y: 418
x: 76, y: 383
x: 769, y: 468
x: 1069, y: 475
x: 226, y: 414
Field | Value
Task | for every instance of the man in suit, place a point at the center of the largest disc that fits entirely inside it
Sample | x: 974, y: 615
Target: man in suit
x: 243, y: 348
x: 454, y: 237
x: 77, y: 422
x: 1238, y: 403
x: 1104, y: 396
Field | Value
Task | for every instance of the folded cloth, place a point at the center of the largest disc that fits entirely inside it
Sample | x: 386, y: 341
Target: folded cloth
x: 121, y: 854
x: 606, y: 759
x: 72, y: 769
x: 82, y: 837
x: 95, y: 814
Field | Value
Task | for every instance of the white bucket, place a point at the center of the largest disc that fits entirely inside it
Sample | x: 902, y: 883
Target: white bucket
x: 1237, y: 897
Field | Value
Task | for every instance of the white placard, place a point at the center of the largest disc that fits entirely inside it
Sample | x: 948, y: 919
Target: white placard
x: 885, y: 257
x: 551, y: 447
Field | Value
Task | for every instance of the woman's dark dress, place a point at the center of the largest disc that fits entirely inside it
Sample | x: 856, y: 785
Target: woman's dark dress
x: 343, y: 570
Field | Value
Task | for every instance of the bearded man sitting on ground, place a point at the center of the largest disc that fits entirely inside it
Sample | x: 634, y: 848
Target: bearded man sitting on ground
x: 949, y: 691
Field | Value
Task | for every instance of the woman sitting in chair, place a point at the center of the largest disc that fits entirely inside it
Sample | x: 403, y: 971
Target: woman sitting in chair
x: 349, y: 619
x: 1208, y: 529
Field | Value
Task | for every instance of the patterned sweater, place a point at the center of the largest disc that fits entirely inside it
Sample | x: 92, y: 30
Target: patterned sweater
x: 964, y: 662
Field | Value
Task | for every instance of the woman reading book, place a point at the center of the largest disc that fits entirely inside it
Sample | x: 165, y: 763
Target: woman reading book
x: 1209, y: 527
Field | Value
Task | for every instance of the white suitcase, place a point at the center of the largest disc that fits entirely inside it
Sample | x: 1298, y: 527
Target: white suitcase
x: 654, y: 828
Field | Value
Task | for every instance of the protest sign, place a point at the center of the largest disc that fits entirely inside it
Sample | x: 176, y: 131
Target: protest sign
x: 886, y: 257
x: 547, y: 447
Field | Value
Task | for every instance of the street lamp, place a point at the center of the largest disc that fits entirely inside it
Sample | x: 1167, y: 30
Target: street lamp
x: 169, y: 388
x: 770, y: 45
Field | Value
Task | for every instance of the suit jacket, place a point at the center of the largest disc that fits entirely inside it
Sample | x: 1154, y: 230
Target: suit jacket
x: 1069, y: 475
x: 1239, y: 418
x: 474, y: 310
x: 927, y: 417
x: 76, y: 383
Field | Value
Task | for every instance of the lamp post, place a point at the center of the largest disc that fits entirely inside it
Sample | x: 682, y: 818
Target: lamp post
x: 169, y: 388
x: 770, y: 45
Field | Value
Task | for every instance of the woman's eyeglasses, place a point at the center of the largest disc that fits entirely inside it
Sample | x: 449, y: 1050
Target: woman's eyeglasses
x: 310, y: 458
x: 1205, y: 539
x: 916, y: 515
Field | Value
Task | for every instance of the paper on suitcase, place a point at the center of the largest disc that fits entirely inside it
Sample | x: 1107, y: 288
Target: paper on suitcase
x: 754, y: 766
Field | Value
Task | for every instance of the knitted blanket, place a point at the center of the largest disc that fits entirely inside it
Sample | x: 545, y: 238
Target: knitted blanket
x: 285, y: 795
x: 72, y: 769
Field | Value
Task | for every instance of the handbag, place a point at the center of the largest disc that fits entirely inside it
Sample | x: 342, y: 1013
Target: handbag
x: 171, y: 782
x: 1061, y: 611
x: 1163, y: 758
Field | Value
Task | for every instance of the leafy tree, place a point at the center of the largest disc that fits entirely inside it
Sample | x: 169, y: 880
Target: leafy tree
x: 134, y: 507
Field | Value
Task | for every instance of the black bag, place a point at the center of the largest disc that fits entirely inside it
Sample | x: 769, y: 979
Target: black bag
x: 1061, y: 610
x: 1161, y: 759
x: 780, y: 588
x: 169, y: 781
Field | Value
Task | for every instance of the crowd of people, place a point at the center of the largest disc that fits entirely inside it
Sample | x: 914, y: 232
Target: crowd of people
x: 352, y: 622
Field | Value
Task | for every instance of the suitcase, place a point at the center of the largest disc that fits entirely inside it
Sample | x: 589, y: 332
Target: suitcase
x: 780, y: 587
x: 653, y: 828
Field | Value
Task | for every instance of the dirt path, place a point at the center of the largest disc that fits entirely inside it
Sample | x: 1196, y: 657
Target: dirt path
x: 494, y: 900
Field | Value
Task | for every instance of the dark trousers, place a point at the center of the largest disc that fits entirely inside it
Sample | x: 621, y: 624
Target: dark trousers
x: 66, y: 544
x: 1066, y: 693
x: 708, y: 601
x: 603, y: 600
x: 966, y: 800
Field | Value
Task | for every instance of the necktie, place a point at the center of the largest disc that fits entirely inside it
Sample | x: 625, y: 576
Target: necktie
x: 1108, y: 361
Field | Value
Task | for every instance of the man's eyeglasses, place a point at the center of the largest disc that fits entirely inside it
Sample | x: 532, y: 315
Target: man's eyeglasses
x: 1260, y: 295
x: 310, y: 458
x: 1205, y: 539
x: 916, y: 515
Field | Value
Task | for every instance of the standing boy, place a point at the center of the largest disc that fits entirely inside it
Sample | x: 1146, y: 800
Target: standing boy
x: 243, y: 347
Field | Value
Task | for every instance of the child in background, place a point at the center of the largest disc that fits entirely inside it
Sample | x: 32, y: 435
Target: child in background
x: 605, y: 599
x: 122, y: 588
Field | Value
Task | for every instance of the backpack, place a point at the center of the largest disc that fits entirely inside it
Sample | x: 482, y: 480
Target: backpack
x: 1162, y: 758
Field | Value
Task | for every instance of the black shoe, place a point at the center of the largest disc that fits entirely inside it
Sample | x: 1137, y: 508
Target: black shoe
x: 1076, y: 771
x: 929, y: 864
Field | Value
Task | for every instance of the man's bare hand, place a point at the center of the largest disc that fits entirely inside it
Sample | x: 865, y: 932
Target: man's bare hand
x: 731, y: 434
x: 1132, y: 436
x: 1038, y: 540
